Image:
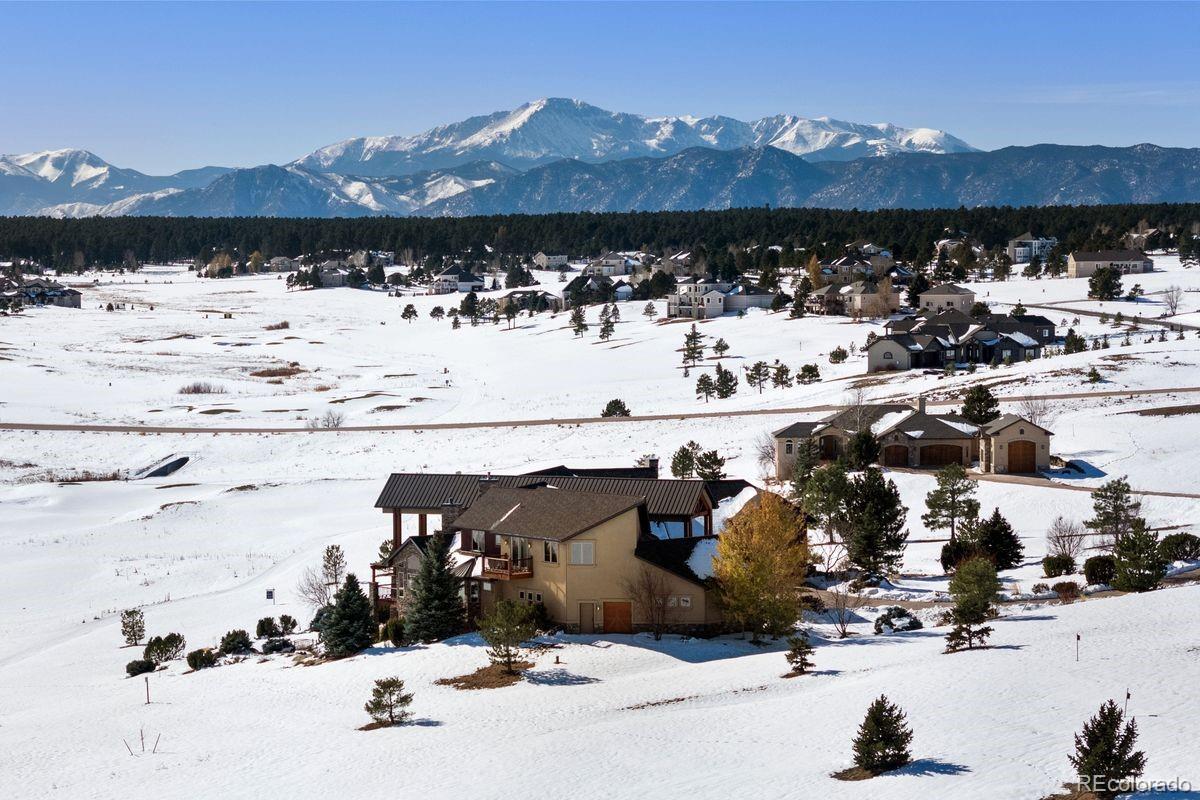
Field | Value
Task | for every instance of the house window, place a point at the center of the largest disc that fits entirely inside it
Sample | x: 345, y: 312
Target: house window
x: 887, y: 355
x: 672, y: 601
x: 477, y: 540
x: 685, y: 601
x: 550, y: 552
x: 583, y: 553
x: 787, y: 447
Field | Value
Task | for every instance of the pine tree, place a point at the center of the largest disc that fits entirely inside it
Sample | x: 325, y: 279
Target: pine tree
x: 389, y: 702
x: 350, y: 624
x: 578, y: 322
x: 799, y: 654
x: 333, y: 565
x: 808, y: 458
x: 862, y: 449
x: 504, y: 629
x: 952, y: 501
x: 883, y: 739
x: 781, y: 376
x: 133, y: 625
x: 720, y: 348
x: 615, y: 408
x: 710, y: 466
x: 706, y: 387
x: 758, y: 375
x: 980, y: 406
x: 1104, y: 758
x: 693, y: 346
x: 1115, y: 511
x: 875, y: 519
x: 727, y: 383
x: 409, y: 313
x: 825, y: 495
x: 1139, y: 562
x: 995, y: 537
x: 435, y: 609
x: 607, y: 326
x: 649, y: 312
x: 974, y: 589
x: 683, y: 462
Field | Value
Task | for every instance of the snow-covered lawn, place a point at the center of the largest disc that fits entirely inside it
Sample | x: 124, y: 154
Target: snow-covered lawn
x: 249, y: 512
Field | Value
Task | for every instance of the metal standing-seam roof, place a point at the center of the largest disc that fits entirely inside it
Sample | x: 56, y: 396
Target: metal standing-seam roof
x: 420, y: 490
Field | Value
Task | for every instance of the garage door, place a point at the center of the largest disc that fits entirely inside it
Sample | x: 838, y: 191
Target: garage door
x: 1022, y: 456
x: 939, y: 455
x: 895, y: 455
x: 618, y: 617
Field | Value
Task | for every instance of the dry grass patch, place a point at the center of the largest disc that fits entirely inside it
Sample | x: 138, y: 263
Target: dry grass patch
x: 220, y: 411
x: 493, y: 676
x: 277, y: 372
x: 278, y: 326
x: 853, y: 774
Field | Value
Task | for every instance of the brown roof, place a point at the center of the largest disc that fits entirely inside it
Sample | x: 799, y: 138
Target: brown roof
x: 430, y: 491
x: 1110, y: 255
x: 542, y: 512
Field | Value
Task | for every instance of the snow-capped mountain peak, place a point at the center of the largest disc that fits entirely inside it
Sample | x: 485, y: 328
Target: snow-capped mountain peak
x: 555, y: 127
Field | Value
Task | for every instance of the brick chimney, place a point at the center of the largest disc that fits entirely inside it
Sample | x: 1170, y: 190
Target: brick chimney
x: 652, y: 463
x: 921, y: 404
x: 487, y: 482
x: 450, y: 512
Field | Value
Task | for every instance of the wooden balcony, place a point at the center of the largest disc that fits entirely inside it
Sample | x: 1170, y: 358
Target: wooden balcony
x: 500, y: 568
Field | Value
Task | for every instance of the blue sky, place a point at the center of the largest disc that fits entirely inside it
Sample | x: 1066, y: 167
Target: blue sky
x: 161, y: 87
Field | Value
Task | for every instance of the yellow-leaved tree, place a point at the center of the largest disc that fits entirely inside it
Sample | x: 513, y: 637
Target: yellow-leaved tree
x: 762, y: 558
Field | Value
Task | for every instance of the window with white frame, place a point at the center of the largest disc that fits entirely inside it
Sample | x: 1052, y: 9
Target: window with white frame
x: 685, y: 601
x: 477, y: 541
x: 550, y: 552
x: 583, y: 553
x: 787, y: 447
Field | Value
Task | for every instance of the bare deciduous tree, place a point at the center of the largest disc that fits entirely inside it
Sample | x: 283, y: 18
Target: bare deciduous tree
x: 764, y: 453
x: 651, y: 594
x: 1065, y: 537
x: 841, y: 601
x: 1171, y: 298
x: 313, y: 589
x: 1037, y: 410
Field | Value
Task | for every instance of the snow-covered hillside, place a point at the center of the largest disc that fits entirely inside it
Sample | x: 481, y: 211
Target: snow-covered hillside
x: 250, y: 511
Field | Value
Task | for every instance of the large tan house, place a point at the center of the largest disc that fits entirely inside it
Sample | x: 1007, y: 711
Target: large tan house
x: 1127, y: 262
x: 573, y: 543
x: 947, y: 296
x: 909, y: 436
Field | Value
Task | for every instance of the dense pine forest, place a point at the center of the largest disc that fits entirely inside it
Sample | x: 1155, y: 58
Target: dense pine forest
x: 75, y: 244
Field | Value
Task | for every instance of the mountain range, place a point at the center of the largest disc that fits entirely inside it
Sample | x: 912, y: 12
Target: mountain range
x: 564, y: 155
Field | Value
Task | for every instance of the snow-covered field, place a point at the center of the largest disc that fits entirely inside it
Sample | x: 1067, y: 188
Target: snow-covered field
x: 250, y: 511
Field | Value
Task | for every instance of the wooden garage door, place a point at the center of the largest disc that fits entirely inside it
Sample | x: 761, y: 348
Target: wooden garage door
x: 1022, y: 456
x: 895, y: 455
x: 939, y: 455
x: 618, y: 617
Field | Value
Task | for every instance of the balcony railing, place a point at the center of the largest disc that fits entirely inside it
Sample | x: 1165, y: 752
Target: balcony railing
x: 504, y: 568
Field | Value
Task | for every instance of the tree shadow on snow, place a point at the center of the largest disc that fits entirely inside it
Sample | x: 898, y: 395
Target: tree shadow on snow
x: 684, y: 648
x: 558, y: 677
x: 426, y: 723
x: 931, y: 766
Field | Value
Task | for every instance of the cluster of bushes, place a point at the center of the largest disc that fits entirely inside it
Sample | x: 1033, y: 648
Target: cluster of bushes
x: 895, y: 619
x: 1054, y: 566
x: 158, y: 651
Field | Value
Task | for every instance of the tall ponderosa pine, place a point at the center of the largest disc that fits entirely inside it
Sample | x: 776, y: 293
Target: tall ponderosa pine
x: 980, y: 406
x: 875, y: 520
x: 578, y: 322
x: 349, y: 625
x: 974, y: 589
x: 693, y: 346
x: 706, y: 387
x: 883, y: 739
x: 1104, y: 757
x: 710, y: 466
x: 435, y: 610
x: 951, y: 501
x: 683, y: 462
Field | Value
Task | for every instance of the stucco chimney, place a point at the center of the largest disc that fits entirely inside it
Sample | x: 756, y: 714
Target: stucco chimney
x: 652, y: 462
x: 921, y: 404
